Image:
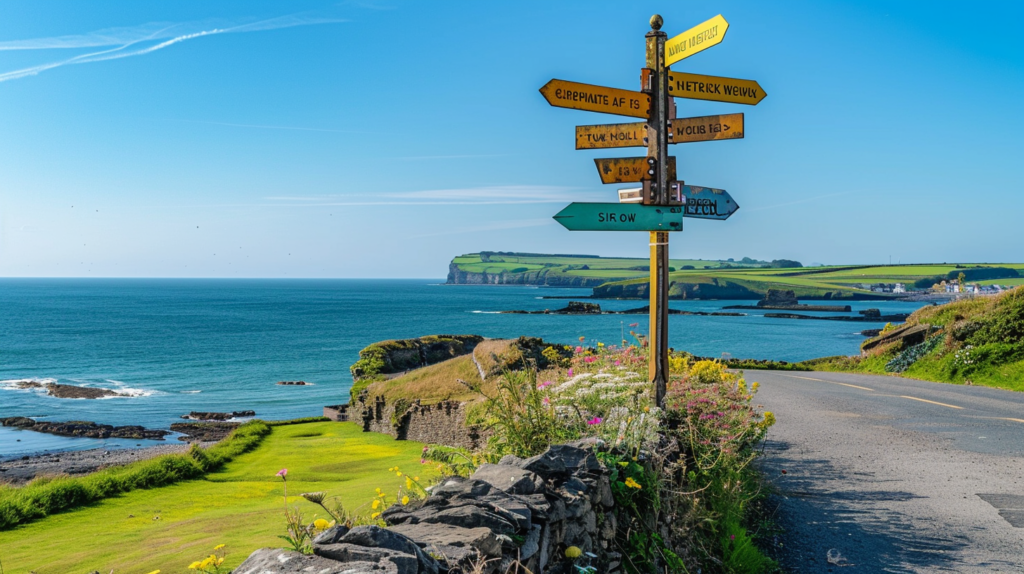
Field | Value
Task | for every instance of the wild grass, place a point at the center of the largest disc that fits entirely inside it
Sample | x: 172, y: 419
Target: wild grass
x: 50, y: 495
x: 238, y: 505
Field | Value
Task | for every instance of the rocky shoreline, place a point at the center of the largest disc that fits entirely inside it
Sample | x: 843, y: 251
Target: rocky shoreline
x: 84, y: 429
x: 19, y: 470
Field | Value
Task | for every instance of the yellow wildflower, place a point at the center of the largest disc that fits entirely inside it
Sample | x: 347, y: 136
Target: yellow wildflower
x: 408, y: 482
x: 573, y: 552
x: 376, y: 503
x: 399, y: 473
x: 374, y: 515
x: 194, y: 565
x: 623, y: 464
x: 416, y: 478
x: 754, y: 385
x: 632, y: 483
x: 321, y: 524
x: 769, y: 419
x: 378, y: 491
x: 405, y: 500
x: 155, y: 572
x: 219, y: 546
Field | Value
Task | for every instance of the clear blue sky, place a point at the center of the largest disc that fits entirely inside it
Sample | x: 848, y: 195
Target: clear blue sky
x: 380, y: 138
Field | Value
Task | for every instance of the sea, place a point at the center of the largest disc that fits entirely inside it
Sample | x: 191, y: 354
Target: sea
x: 172, y: 346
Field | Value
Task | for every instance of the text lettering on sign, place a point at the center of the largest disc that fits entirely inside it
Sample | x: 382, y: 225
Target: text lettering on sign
x: 611, y: 135
x: 706, y: 128
x: 696, y: 39
x: 629, y: 169
x: 577, y: 96
x: 714, y: 88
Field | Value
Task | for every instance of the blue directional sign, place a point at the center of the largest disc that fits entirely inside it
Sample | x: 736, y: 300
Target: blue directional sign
x: 620, y: 217
x: 708, y: 203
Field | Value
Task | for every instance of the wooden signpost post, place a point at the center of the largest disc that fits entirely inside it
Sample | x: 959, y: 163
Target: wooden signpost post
x: 661, y: 204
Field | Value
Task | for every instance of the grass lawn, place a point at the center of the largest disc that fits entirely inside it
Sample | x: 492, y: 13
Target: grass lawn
x: 240, y: 506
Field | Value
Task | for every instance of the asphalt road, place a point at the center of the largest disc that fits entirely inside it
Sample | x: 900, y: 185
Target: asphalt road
x: 882, y: 474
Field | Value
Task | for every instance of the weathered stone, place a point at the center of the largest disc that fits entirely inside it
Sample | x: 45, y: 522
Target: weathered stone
x: 482, y: 539
x: 332, y: 535
x: 604, y: 487
x: 466, y: 516
x: 575, y: 486
x: 511, y: 460
x: 546, y: 464
x: 509, y: 478
x: 532, y: 543
x: 576, y: 458
x: 278, y: 561
x: 461, y: 487
x: 376, y: 537
x: 405, y: 563
x: 608, y: 526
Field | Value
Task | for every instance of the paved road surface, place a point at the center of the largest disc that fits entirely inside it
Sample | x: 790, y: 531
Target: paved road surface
x: 894, y: 475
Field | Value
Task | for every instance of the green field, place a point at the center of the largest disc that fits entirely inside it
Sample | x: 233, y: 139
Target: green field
x: 241, y: 506
x: 724, y: 279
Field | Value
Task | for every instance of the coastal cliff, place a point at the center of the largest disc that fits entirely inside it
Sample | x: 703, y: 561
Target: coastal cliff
x: 547, y: 277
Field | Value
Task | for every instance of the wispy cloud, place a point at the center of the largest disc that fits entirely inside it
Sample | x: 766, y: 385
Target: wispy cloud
x: 266, y: 127
x: 492, y: 195
x: 139, y: 40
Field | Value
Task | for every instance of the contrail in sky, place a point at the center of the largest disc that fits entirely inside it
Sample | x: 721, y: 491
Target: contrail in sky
x: 129, y: 42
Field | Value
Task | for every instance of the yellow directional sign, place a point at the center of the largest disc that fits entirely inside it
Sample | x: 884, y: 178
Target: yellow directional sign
x: 714, y: 88
x: 706, y: 128
x: 577, y: 96
x: 696, y: 39
x: 611, y: 135
x: 629, y: 169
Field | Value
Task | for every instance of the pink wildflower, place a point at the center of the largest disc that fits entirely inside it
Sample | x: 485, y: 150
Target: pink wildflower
x: 546, y: 401
x: 634, y: 325
x: 283, y: 473
x: 579, y: 349
x: 594, y: 421
x: 544, y: 385
x: 590, y: 359
x: 423, y: 461
x: 570, y: 372
x: 617, y: 362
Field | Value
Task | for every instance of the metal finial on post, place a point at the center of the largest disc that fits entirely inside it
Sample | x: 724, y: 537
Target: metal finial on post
x: 656, y: 22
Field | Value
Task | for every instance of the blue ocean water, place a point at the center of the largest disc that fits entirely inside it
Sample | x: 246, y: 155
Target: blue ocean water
x: 175, y: 346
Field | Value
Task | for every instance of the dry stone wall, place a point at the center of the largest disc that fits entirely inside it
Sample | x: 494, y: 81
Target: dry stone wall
x: 443, y: 422
x: 523, y: 513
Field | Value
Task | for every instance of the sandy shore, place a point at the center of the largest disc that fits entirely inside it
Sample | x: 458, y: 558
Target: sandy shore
x: 20, y: 470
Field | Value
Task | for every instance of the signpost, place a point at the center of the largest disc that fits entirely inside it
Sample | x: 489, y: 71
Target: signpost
x: 714, y: 88
x: 577, y: 96
x: 620, y: 217
x: 662, y: 202
x: 628, y: 169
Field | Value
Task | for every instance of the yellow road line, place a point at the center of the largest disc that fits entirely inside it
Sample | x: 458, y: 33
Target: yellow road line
x: 932, y: 402
x: 1014, y: 420
x: 833, y: 382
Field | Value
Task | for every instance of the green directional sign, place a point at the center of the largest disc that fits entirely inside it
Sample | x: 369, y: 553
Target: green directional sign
x: 620, y: 217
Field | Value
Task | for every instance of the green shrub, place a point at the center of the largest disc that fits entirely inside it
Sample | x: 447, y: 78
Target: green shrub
x: 45, y: 496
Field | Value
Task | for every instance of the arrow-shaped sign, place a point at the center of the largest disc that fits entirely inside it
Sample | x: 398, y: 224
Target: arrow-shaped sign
x: 714, y: 88
x: 696, y: 39
x: 611, y: 135
x: 708, y: 203
x: 629, y: 169
x: 577, y: 96
x: 620, y: 217
x: 705, y: 128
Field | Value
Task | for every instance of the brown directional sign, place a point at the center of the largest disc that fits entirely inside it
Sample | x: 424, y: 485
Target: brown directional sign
x: 611, y: 135
x: 629, y: 169
x: 706, y: 128
x: 714, y: 88
x: 577, y: 96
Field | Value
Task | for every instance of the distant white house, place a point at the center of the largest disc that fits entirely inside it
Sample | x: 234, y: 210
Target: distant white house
x: 899, y: 288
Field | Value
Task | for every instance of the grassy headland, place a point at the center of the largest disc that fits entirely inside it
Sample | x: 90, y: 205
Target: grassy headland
x: 978, y: 341
x: 239, y: 505
x: 745, y: 279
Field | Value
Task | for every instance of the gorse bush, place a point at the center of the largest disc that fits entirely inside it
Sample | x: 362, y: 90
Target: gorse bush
x: 50, y: 495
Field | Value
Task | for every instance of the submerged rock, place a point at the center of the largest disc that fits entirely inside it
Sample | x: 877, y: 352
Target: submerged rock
x: 84, y: 429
